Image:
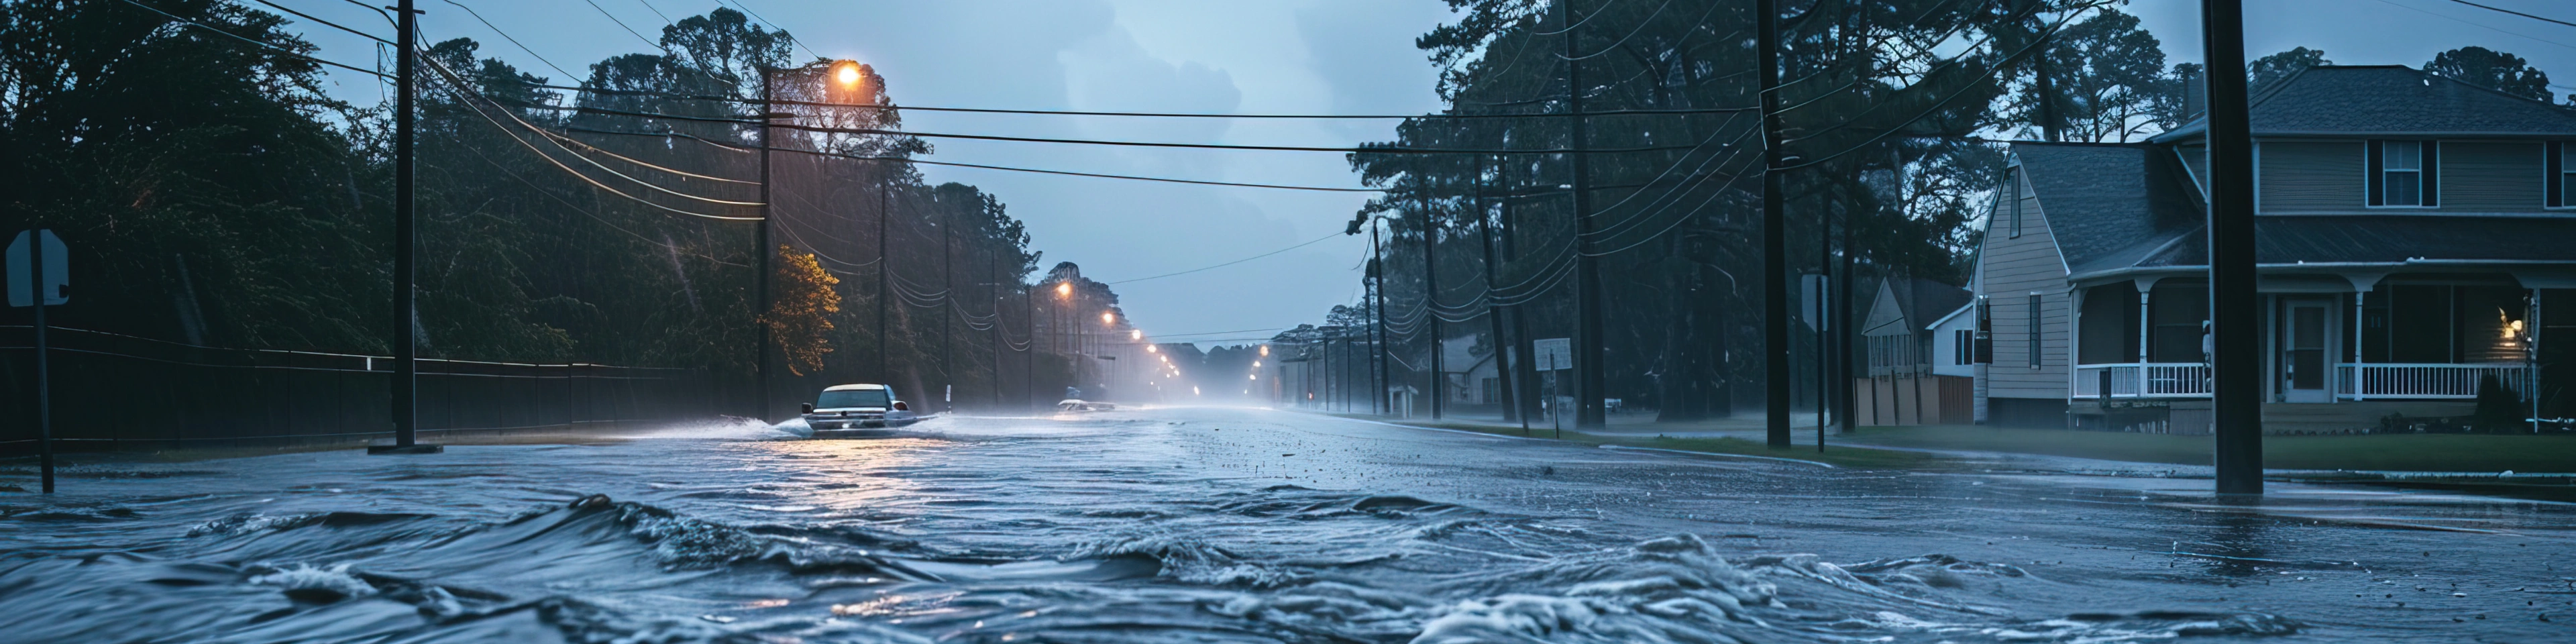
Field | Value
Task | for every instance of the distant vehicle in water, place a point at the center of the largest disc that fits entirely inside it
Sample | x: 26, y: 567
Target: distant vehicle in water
x: 1077, y: 404
x: 842, y: 408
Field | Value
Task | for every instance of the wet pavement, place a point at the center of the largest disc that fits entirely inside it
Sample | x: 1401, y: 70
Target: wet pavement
x: 1227, y: 525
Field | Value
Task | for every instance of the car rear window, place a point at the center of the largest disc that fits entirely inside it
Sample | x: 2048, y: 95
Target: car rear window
x: 852, y: 398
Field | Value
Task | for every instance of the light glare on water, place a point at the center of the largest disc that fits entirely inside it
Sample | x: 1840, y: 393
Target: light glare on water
x: 1200, y: 525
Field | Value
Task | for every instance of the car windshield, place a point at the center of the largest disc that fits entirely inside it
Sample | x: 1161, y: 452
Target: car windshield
x: 852, y: 398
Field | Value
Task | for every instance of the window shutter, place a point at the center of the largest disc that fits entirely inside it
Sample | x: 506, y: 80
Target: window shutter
x: 2553, y: 158
x: 2432, y: 174
x: 2378, y: 172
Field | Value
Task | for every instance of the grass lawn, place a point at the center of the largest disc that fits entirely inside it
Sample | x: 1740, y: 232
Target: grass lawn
x: 2403, y: 452
x: 1838, y: 455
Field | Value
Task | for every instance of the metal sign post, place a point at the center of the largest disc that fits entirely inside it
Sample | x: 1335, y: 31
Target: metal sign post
x: 1551, y: 355
x: 39, y: 271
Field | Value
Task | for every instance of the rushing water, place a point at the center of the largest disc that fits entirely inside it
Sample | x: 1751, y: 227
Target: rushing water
x: 1205, y: 525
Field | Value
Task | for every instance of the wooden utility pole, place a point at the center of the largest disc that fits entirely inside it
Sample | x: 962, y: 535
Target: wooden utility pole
x: 2236, y: 368
x: 1587, y: 267
x: 948, y: 308
x: 1378, y: 401
x: 760, y: 241
x: 1775, y: 239
x: 1431, y: 284
x: 406, y: 390
x: 885, y: 210
x: 1493, y: 310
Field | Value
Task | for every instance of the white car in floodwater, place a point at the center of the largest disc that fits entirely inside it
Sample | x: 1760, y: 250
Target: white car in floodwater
x: 1076, y: 404
x: 857, y: 406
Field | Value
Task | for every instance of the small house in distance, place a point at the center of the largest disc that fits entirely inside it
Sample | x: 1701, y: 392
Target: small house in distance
x: 1904, y: 384
x: 2416, y: 242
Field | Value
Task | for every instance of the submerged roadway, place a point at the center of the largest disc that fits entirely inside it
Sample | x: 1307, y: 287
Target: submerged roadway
x: 1238, y: 525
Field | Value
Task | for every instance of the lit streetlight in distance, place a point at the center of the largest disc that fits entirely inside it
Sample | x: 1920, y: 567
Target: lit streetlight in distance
x: 1132, y: 334
x: 1265, y: 350
x: 847, y: 73
x: 1108, y: 318
x: 1150, y: 349
x: 1064, y: 289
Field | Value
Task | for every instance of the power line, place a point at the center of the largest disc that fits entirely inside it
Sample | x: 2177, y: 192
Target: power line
x: 272, y: 46
x: 457, y: 86
x: 322, y: 22
x: 981, y: 166
x: 755, y: 15
x: 621, y: 24
x: 1206, y: 115
x: 2518, y: 13
x: 478, y: 17
x: 1220, y: 146
x: 1239, y: 261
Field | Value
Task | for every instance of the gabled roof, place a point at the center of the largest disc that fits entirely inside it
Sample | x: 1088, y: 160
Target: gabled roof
x: 2102, y: 200
x: 2388, y: 99
x: 1912, y: 302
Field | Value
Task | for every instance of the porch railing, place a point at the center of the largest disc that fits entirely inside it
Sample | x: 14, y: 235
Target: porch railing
x: 2142, y: 380
x: 2425, y: 380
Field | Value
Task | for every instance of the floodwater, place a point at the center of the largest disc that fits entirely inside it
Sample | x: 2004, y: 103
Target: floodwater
x: 1223, y: 525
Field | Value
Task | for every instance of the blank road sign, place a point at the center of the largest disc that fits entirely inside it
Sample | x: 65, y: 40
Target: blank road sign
x: 22, y: 282
x: 1551, y: 354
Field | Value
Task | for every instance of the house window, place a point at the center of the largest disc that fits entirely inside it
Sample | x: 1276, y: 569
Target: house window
x: 2561, y: 175
x: 1963, y: 347
x: 2405, y: 173
x: 2034, y: 330
x: 2012, y: 200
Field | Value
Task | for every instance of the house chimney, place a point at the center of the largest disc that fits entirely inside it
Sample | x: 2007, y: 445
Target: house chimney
x: 2195, y: 95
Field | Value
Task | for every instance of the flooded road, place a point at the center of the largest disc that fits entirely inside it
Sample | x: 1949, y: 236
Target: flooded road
x: 1221, y: 525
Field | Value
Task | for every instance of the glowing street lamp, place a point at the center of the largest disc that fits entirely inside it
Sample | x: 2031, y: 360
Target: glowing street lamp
x: 1134, y: 334
x: 847, y: 73
x: 1064, y: 289
x: 1108, y: 318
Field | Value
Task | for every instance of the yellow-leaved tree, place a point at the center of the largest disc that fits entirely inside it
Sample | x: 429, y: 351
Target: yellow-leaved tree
x: 801, y: 306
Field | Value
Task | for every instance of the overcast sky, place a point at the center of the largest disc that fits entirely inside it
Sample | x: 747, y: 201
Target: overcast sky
x: 1276, y: 56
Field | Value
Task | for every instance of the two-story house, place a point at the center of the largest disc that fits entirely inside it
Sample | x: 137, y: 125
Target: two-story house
x: 2416, y: 236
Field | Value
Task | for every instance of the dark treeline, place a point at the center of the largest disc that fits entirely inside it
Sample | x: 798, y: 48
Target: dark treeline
x: 214, y: 195
x: 1892, y: 116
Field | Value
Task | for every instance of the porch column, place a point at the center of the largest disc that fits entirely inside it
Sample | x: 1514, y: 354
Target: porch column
x: 2358, y: 394
x: 2531, y: 358
x: 2144, y: 297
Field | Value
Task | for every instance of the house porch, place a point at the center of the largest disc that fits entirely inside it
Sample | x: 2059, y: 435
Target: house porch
x: 2341, y: 352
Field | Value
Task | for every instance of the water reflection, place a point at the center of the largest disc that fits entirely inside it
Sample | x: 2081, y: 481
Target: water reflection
x: 1200, y: 525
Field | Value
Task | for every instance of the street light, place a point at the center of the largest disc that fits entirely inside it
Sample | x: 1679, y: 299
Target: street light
x: 1139, y: 334
x: 1108, y: 318
x: 847, y: 72
x: 1064, y: 289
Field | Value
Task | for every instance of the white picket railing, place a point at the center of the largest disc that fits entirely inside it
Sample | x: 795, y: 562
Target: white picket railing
x: 2143, y: 380
x: 2425, y: 380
